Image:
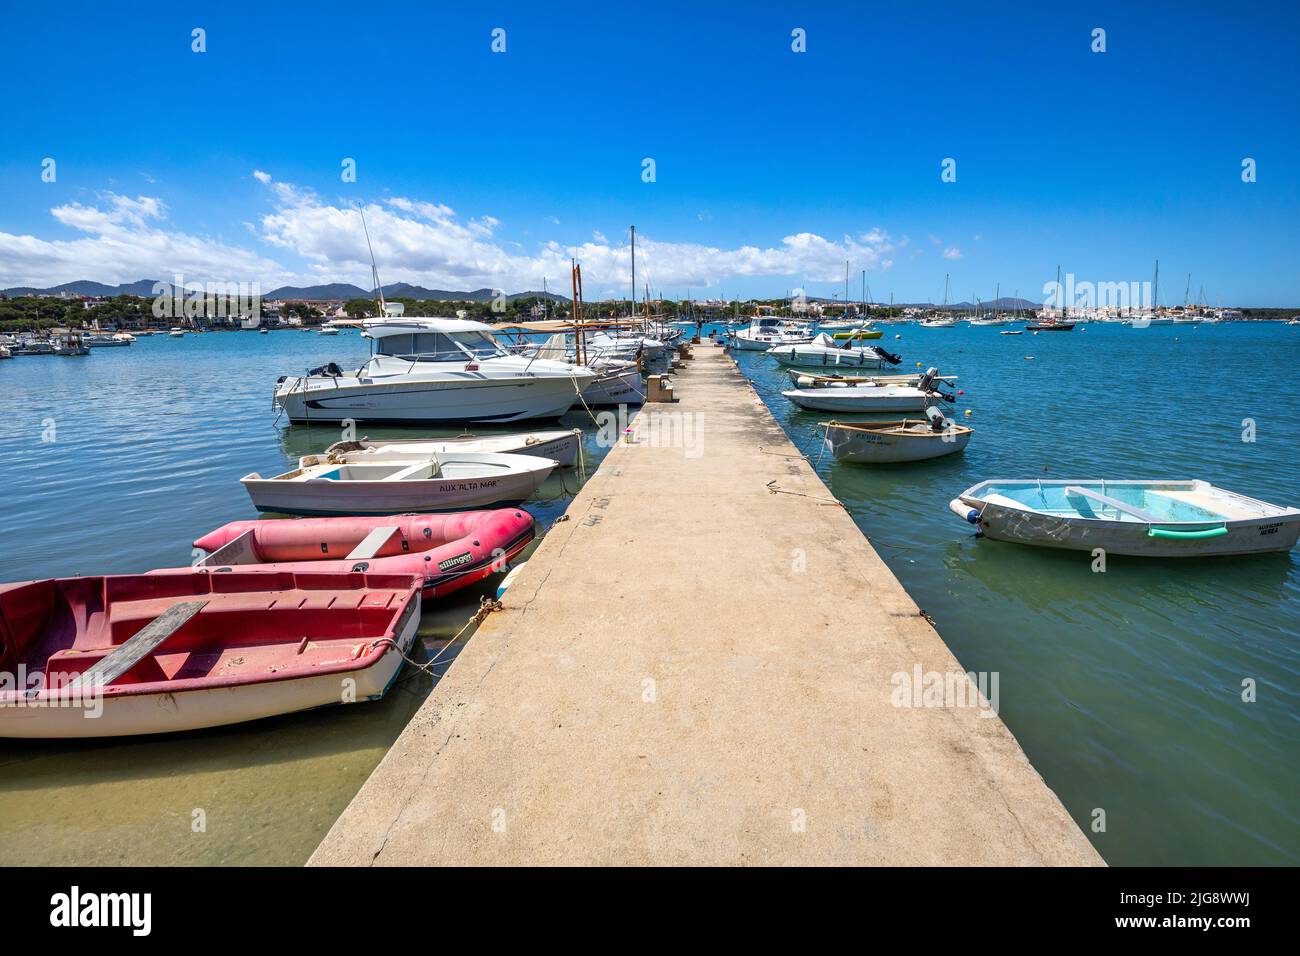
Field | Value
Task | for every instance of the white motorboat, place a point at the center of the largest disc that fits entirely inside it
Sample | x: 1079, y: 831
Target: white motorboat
x: 434, y: 372
x: 833, y: 396
x: 878, y: 443
x: 765, y: 333
x: 1142, y: 518
x: 938, y: 323
x: 99, y: 340
x: 825, y: 352
x: 615, y: 386
x: 177, y: 333
x: 618, y: 380
x: 454, y: 481
x: 327, y: 330
x: 559, y: 445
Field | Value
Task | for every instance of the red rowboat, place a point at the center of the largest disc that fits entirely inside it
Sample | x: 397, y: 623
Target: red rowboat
x: 154, y: 653
x: 448, y: 551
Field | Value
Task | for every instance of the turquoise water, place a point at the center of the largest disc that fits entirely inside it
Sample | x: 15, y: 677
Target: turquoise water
x: 1123, y: 687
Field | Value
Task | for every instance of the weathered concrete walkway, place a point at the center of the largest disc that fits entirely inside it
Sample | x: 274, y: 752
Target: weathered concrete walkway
x: 693, y: 669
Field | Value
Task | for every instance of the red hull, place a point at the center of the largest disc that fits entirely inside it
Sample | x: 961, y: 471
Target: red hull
x: 253, y: 628
x: 449, y: 551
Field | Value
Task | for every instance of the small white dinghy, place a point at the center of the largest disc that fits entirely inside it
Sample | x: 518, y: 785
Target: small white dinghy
x: 560, y: 445
x: 880, y: 443
x: 1157, y: 519
x: 456, y: 481
x: 836, y: 396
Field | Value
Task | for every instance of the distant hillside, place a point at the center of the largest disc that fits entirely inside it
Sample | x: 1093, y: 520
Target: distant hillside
x: 335, y: 290
x: 86, y: 287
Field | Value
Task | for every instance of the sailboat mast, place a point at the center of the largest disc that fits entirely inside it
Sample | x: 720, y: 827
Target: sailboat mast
x: 634, y: 271
x: 374, y: 269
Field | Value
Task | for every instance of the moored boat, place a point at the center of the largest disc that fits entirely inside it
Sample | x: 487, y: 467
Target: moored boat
x: 433, y: 371
x: 117, y: 655
x: 559, y: 444
x: 824, y: 352
x: 878, y: 443
x: 448, y: 551
x: 835, y: 396
x: 455, y: 481
x: 1143, y: 518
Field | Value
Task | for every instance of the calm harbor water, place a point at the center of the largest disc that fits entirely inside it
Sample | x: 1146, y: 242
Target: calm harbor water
x: 1124, y: 688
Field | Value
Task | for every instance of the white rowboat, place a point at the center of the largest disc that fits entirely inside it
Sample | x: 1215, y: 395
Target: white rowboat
x: 878, y: 443
x: 458, y: 481
x: 559, y: 445
x: 1143, y: 518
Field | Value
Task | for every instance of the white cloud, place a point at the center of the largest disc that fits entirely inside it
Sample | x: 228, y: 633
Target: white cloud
x: 952, y: 252
x: 125, y: 240
x: 428, y: 244
x: 417, y: 241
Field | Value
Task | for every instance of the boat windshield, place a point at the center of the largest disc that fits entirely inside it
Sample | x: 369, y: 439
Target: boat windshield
x: 439, y: 346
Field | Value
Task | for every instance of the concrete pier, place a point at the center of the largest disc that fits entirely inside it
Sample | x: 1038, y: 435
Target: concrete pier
x: 701, y: 665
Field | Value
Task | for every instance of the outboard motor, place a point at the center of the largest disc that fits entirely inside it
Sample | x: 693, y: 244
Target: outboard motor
x: 889, y: 357
x: 928, y: 383
x: 937, y: 420
x: 331, y: 370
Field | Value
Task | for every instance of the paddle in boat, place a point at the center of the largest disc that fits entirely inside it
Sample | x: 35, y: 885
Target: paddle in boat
x: 559, y: 445
x: 1143, y: 518
x: 455, y: 481
x: 879, y: 443
x: 116, y: 655
x: 835, y: 396
x: 448, y: 551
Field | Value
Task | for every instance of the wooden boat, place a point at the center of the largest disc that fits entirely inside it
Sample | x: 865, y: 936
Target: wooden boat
x: 158, y: 653
x: 868, y: 396
x: 447, y: 551
x: 455, y: 481
x: 1145, y: 518
x: 878, y: 443
x: 560, y: 445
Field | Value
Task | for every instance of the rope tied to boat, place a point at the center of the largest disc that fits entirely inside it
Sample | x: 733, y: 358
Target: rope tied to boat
x: 485, y: 607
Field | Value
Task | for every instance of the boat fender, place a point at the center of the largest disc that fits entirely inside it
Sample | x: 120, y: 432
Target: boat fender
x: 964, y: 511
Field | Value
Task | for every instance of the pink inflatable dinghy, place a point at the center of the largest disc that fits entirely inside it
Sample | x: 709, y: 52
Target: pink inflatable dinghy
x: 449, y: 551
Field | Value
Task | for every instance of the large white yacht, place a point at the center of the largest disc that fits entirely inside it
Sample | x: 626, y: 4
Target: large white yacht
x: 433, y: 371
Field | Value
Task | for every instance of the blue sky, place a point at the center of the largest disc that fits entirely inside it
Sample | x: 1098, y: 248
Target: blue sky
x: 772, y: 167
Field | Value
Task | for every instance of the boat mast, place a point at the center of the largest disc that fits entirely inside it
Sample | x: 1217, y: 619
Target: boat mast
x: 846, y: 286
x: 632, y: 314
x: 374, y: 269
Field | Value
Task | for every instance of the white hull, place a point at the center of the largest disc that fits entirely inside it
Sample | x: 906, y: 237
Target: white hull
x: 885, y: 447
x: 558, y: 445
x: 623, y: 387
x: 387, y: 488
x: 1248, y: 526
x: 457, y: 398
x: 860, y: 399
x: 173, y: 711
x: 813, y: 357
